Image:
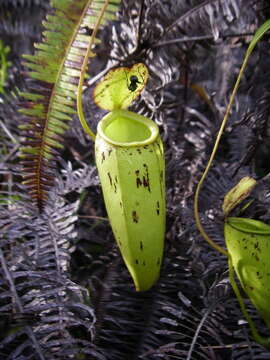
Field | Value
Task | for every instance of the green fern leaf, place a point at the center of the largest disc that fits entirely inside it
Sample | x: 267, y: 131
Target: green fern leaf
x: 57, y: 66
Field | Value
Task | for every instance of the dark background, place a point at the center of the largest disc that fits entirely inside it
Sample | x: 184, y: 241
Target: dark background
x: 64, y: 291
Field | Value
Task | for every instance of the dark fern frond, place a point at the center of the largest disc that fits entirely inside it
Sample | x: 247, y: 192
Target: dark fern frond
x: 189, y: 305
x: 257, y: 125
x: 23, y: 3
x: 20, y: 28
x: 76, y: 180
x: 35, y: 284
x: 57, y: 66
x: 208, y: 17
x: 147, y: 324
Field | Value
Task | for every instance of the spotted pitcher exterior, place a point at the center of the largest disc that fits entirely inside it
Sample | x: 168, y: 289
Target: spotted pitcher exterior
x: 130, y: 162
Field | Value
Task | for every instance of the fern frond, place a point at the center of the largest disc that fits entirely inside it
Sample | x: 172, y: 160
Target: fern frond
x: 56, y: 68
x: 40, y: 306
x: 23, y: 3
x: 216, y: 13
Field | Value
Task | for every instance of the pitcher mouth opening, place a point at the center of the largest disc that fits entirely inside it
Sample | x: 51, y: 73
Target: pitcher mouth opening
x: 125, y: 128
